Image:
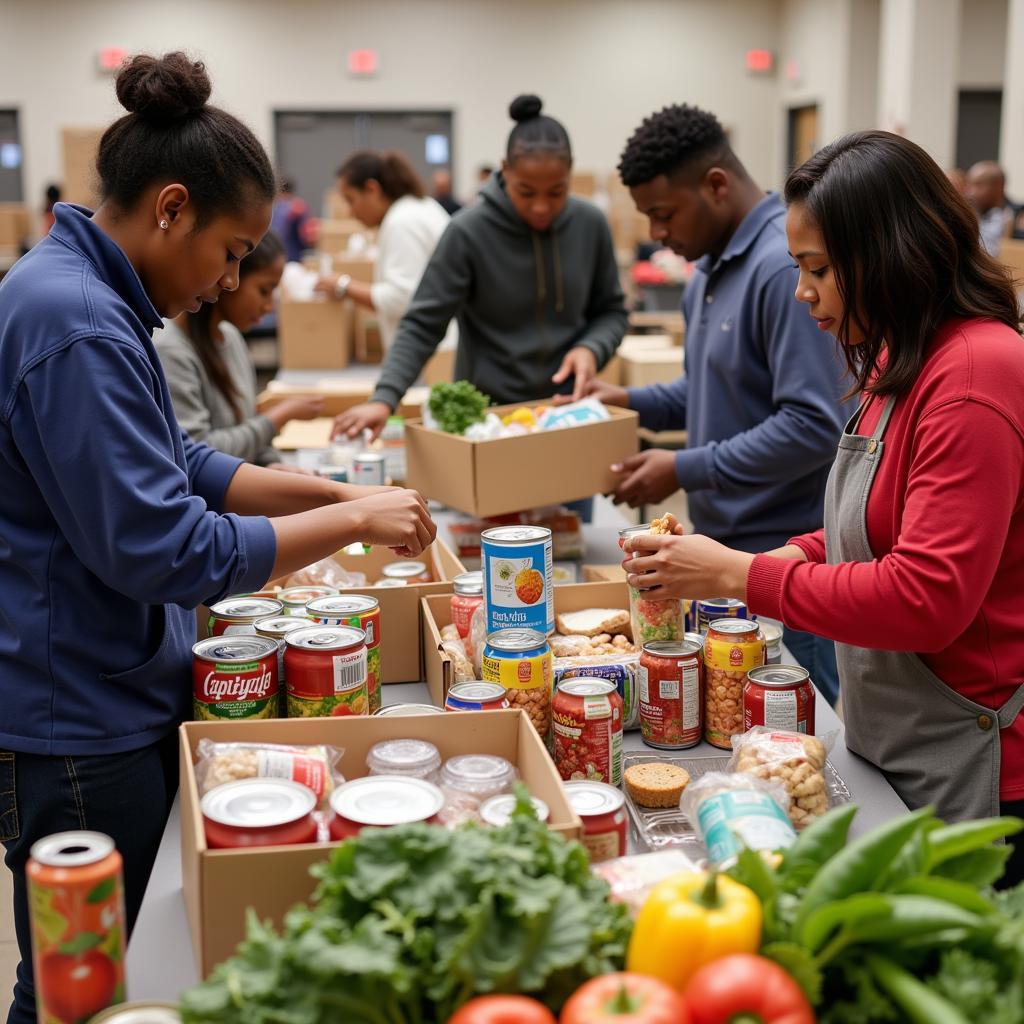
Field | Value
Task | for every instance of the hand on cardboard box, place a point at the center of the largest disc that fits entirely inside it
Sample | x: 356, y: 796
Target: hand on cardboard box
x: 368, y: 416
x: 396, y: 518
x: 647, y: 478
x: 581, y: 364
x: 607, y: 393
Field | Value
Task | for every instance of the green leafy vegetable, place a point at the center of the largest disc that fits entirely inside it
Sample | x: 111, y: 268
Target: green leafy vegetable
x: 457, y: 406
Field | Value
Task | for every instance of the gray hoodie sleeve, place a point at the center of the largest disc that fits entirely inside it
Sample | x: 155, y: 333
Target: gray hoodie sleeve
x: 443, y: 289
x: 607, y: 319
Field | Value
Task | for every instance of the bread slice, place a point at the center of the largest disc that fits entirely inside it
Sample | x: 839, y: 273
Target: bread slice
x: 656, y: 783
x: 592, y: 621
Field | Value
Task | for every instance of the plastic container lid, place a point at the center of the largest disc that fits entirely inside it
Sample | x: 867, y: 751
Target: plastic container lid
x: 416, y: 759
x: 589, y: 799
x: 385, y: 800
x: 498, y: 810
x: 404, y: 710
x: 479, y: 774
x: 258, y: 803
x: 469, y: 584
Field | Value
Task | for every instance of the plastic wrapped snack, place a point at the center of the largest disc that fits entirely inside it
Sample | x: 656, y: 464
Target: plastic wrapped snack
x: 576, y: 646
x: 478, y: 636
x: 792, y: 760
x: 313, y: 766
x: 454, y: 646
x: 632, y: 878
x: 621, y: 669
x: 730, y: 812
x: 327, y: 572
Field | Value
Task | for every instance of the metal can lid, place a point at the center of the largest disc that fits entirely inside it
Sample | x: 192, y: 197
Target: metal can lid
x: 478, y: 771
x: 771, y: 631
x: 515, y: 534
x: 404, y: 710
x: 278, y: 625
x: 295, y: 596
x: 258, y: 803
x: 404, y: 570
x: 391, y: 583
x: 368, y: 457
x: 684, y: 648
x: 515, y: 641
x: 326, y: 638
x: 589, y: 799
x: 477, y: 691
x: 712, y: 603
x: 138, y: 1013
x: 246, y: 608
x: 497, y: 811
x: 415, y: 758
x: 580, y: 686
x: 234, y: 649
x: 469, y: 583
x: 780, y: 677
x: 735, y: 627
x: 71, y: 849
x: 386, y: 800
x: 342, y: 604
x: 695, y: 638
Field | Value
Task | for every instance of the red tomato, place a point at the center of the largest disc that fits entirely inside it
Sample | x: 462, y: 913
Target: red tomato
x: 340, y: 711
x: 625, y: 998
x: 746, y: 985
x: 76, y: 987
x: 503, y: 1010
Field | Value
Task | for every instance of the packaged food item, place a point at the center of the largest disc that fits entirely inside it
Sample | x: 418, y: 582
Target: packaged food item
x: 470, y: 780
x: 369, y: 469
x: 478, y: 638
x: 772, y: 633
x: 405, y: 710
x: 238, y: 615
x: 671, y: 695
x: 586, y: 730
x: 521, y: 661
x: 593, y: 622
x: 467, y: 596
x: 711, y: 608
x: 77, y: 921
x: 732, y: 648
x: 498, y: 810
x: 476, y: 696
x: 411, y: 572
x: 381, y: 801
x: 327, y: 672
x: 656, y: 783
x: 517, y: 563
x: 452, y: 644
x: 632, y: 878
x: 416, y: 759
x: 315, y: 767
x: 363, y: 613
x: 259, y: 812
x: 619, y: 669
x: 779, y: 697
x: 328, y: 572
x: 235, y: 677
x: 733, y: 811
x: 576, y: 646
x: 792, y: 760
x: 652, y: 620
x: 295, y: 599
x: 602, y: 810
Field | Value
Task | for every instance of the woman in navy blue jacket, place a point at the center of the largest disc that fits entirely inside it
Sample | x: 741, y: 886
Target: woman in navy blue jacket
x: 113, y: 525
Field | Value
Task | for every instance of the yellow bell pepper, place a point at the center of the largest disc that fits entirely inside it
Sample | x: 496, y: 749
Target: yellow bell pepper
x: 523, y: 415
x: 688, y: 921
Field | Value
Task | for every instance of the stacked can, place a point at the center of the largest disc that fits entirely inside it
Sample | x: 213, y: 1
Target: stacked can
x: 235, y: 677
x: 363, y: 613
x: 327, y: 672
x: 517, y: 566
x: 239, y: 615
x: 671, y: 695
x: 731, y: 649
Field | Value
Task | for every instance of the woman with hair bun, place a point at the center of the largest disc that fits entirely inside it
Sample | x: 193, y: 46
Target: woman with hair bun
x: 529, y: 273
x: 113, y: 524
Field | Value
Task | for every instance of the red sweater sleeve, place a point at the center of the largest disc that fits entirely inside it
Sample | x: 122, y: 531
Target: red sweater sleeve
x: 963, y: 484
x: 811, y: 544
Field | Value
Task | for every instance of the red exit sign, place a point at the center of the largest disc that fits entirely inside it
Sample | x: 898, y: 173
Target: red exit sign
x: 760, y: 62
x: 362, y: 62
x: 110, y: 58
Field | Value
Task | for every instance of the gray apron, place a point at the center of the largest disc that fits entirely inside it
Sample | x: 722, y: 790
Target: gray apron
x: 934, y: 745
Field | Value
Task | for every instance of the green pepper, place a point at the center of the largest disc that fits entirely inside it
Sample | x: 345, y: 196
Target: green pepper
x: 921, y: 1004
x: 958, y: 893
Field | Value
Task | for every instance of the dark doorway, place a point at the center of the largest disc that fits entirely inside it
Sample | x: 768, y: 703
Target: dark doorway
x: 979, y: 112
x: 10, y: 158
x: 802, y: 135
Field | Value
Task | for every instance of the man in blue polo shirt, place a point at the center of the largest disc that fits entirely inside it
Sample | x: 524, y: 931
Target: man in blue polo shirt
x: 761, y: 395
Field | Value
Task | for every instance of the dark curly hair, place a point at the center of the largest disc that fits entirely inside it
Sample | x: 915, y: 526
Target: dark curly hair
x: 679, y: 140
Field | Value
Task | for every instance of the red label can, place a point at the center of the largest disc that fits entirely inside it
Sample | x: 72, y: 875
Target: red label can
x: 382, y: 801
x: 363, y: 613
x: 779, y: 697
x: 327, y: 672
x: 602, y: 809
x: 259, y: 812
x: 671, y: 694
x: 586, y: 730
x: 76, y: 905
x: 239, y: 614
x: 235, y: 677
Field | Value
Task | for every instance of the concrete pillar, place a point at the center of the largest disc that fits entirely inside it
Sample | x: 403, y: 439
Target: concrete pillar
x: 1011, y: 135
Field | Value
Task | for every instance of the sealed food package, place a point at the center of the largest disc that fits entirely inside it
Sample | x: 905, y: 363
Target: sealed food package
x: 652, y: 620
x: 632, y: 878
x: 620, y: 669
x: 327, y: 572
x: 733, y: 811
x: 454, y: 646
x: 478, y: 638
x: 792, y: 760
x: 313, y: 766
x: 469, y: 781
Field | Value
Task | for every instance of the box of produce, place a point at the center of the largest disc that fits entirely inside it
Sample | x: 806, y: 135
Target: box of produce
x: 487, y: 462
x: 221, y: 883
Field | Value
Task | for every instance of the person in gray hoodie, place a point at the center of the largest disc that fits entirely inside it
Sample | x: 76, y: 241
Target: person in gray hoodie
x: 530, y: 275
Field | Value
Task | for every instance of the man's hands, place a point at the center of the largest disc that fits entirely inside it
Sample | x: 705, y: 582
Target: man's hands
x: 369, y: 416
x: 648, y: 478
x: 395, y: 518
x: 581, y: 364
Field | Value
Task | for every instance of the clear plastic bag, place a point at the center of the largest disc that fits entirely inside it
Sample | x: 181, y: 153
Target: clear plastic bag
x: 478, y: 636
x: 326, y: 572
x: 632, y: 878
x: 452, y: 644
x: 621, y: 669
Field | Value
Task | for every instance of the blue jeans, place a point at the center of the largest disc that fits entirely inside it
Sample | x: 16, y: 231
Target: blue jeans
x: 818, y: 656
x: 127, y: 796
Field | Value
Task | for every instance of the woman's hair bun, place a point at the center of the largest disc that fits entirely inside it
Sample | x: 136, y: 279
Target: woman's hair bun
x: 163, y: 89
x: 525, y: 108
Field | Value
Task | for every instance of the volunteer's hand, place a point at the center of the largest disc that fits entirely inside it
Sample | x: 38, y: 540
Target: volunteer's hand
x: 294, y: 409
x: 326, y: 284
x: 678, y: 566
x: 290, y: 467
x: 396, y: 519
x: 607, y: 393
x: 580, y: 363
x: 369, y: 416
x: 647, y: 478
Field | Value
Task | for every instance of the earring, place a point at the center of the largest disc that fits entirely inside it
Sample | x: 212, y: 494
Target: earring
x: 163, y: 225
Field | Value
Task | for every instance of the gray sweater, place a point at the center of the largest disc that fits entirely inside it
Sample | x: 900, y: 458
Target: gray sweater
x: 522, y: 300
x: 203, y: 412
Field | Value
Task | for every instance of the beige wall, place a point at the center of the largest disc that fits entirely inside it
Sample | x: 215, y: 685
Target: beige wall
x: 982, y: 43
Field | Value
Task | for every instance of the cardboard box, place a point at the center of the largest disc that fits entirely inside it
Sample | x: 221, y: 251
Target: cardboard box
x: 583, y: 183
x: 645, y: 343
x: 314, y: 335
x: 437, y: 613
x: 339, y: 395
x: 220, y: 885
x: 335, y: 234
x: 367, y: 343
x: 603, y: 573
x: 15, y: 227
x: 668, y: 322
x: 490, y: 478
x: 80, y: 183
x: 652, y: 366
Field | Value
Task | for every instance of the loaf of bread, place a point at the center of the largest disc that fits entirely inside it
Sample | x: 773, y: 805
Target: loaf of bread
x: 656, y: 783
x: 594, y: 621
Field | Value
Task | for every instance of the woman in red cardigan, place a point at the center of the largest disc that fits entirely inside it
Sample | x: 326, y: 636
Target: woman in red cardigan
x: 919, y: 572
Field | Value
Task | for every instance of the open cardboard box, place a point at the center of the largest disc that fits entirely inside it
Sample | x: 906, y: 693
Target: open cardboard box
x: 314, y: 334
x: 437, y: 613
x: 613, y: 573
x: 641, y: 367
x: 220, y: 885
x: 508, y: 474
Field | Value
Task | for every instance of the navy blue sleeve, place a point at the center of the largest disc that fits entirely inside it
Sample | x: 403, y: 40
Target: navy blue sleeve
x: 209, y: 471
x: 807, y: 387
x: 660, y: 406
x: 101, y: 451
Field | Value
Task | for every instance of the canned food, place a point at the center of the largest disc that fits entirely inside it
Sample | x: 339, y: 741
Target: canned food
x: 772, y: 633
x: 622, y: 673
x: 390, y: 584
x: 139, y: 1013
x: 586, y: 730
x: 498, y: 810
x: 295, y: 599
x: 327, y: 672
x: 671, y: 695
x: 478, y: 775
x: 415, y: 759
x: 779, y: 697
x: 259, y: 812
x: 380, y: 801
x: 76, y: 910
x: 467, y: 596
x: 369, y: 469
x: 476, y: 697
x: 407, y: 572
x: 276, y: 628
x: 520, y: 660
x: 363, y: 613
x: 404, y: 710
x: 711, y: 608
x: 235, y: 677
x: 652, y: 620
x: 240, y: 614
x: 602, y: 809
x: 517, y: 565
x: 732, y: 648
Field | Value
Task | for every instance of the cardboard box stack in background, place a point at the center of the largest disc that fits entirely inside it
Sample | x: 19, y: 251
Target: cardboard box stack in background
x: 79, y: 183
x: 335, y: 235
x: 339, y: 395
x: 16, y: 228
x: 314, y: 335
